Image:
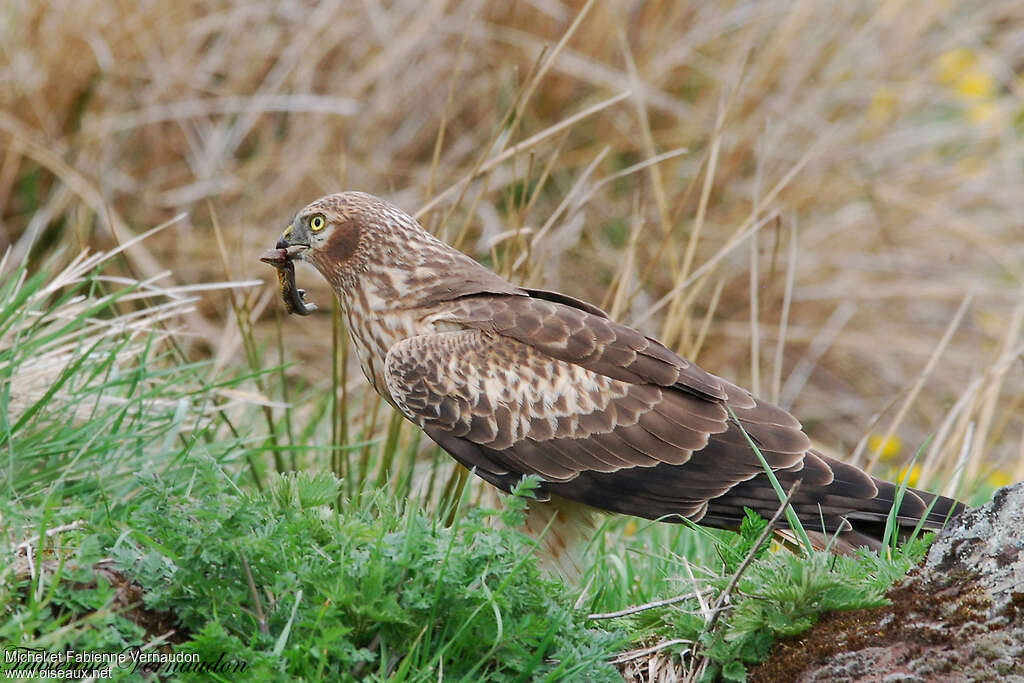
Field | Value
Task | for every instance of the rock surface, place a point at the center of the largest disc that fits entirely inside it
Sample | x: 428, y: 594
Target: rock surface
x: 960, y: 617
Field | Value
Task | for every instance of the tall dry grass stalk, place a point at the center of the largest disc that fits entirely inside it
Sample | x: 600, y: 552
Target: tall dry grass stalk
x: 65, y: 333
x: 853, y: 170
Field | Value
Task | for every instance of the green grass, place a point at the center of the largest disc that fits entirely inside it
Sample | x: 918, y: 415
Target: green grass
x: 373, y: 591
x: 131, y: 458
x: 174, y: 519
x: 779, y: 595
x: 291, y: 587
x: 886, y: 170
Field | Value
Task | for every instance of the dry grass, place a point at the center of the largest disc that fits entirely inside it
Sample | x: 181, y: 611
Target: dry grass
x: 854, y: 171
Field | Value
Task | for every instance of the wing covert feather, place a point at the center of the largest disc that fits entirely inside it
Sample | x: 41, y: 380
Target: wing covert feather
x: 515, y: 410
x: 608, y: 417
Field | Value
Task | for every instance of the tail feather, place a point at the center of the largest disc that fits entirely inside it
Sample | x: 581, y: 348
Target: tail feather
x: 841, y: 510
x: 835, y: 510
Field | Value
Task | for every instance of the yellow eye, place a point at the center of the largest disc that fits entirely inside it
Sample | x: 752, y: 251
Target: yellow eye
x: 317, y: 222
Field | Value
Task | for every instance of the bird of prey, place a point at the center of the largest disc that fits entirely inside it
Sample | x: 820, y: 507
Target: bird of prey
x: 512, y: 381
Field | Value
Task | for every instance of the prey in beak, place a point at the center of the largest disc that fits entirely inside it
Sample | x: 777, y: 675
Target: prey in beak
x: 282, y: 257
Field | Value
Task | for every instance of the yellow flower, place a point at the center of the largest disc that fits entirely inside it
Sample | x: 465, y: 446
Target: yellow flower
x: 960, y: 71
x: 999, y: 479
x: 953, y: 63
x: 888, y: 448
x: 915, y: 473
x: 976, y: 84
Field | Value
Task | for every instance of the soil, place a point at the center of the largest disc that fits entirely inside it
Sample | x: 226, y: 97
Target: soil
x: 960, y: 617
x: 928, y: 633
x: 127, y: 601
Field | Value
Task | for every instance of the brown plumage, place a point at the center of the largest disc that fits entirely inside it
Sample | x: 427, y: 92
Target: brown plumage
x: 513, y: 381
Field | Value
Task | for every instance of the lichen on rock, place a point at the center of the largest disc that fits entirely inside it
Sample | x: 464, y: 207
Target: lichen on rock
x: 986, y: 544
x: 960, y: 617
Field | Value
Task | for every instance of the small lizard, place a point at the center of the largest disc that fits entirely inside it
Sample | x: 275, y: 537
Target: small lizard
x: 293, y: 297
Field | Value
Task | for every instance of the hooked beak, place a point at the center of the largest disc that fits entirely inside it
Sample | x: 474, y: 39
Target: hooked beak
x: 292, y: 242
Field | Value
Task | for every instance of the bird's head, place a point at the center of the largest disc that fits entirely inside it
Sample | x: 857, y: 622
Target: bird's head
x: 327, y: 233
x: 359, y: 242
x: 346, y: 234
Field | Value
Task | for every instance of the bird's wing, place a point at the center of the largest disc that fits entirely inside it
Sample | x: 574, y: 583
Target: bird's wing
x: 603, y: 414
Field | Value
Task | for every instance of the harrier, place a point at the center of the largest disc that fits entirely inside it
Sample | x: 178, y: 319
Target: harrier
x: 512, y: 381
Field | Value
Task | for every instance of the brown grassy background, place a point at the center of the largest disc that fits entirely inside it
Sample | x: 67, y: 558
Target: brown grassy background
x: 876, y: 147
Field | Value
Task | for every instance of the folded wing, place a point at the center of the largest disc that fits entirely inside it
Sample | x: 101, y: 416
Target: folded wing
x: 611, y: 418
